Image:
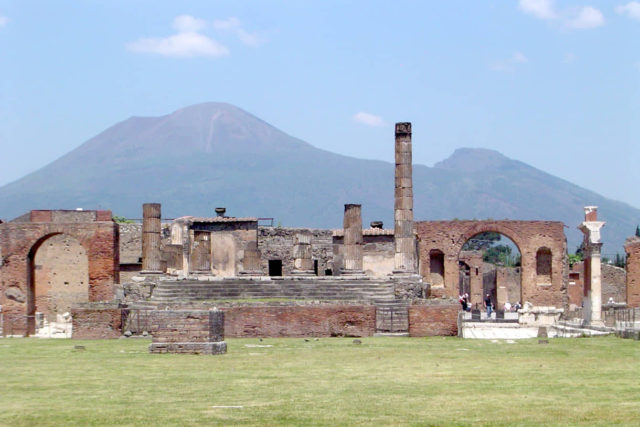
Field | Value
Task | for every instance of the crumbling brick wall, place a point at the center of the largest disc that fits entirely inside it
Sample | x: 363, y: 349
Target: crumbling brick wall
x: 434, y: 319
x: 613, y: 281
x: 632, y: 248
x: 300, y: 321
x: 97, y: 322
x: 276, y: 243
x: 529, y: 236
x: 20, y: 241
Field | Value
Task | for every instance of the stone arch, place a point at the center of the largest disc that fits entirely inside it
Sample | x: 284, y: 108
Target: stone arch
x: 20, y: 240
x: 58, y: 277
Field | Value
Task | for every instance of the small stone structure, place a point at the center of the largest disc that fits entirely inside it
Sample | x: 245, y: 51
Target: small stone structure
x: 187, y: 331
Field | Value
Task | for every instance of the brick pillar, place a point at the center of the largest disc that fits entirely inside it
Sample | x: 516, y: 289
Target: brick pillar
x: 632, y: 248
x: 405, y: 247
x: 590, y: 227
x: 151, y: 225
x: 352, y: 239
x: 302, y: 254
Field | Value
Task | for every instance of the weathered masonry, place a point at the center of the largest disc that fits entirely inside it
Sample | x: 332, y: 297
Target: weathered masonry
x: 542, y: 245
x: 22, y: 295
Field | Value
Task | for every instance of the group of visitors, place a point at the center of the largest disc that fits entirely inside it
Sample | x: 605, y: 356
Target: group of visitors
x: 488, y: 304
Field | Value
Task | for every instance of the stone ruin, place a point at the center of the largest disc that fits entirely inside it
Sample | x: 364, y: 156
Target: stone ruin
x: 274, y: 281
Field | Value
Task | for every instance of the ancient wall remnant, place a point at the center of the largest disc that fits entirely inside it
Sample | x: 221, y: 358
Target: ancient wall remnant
x: 434, y: 319
x: 632, y: 248
x: 300, y: 321
x: 276, y: 243
x: 20, y: 242
x: 96, y: 321
x: 613, y: 284
x: 448, y: 237
x: 378, y: 251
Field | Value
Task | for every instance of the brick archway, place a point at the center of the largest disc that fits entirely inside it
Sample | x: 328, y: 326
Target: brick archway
x: 20, y: 240
x: 529, y: 236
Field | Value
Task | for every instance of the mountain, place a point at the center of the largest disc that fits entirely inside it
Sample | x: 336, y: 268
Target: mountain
x: 215, y: 154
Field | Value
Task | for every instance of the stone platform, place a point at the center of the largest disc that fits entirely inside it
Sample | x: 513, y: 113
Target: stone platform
x: 189, y: 347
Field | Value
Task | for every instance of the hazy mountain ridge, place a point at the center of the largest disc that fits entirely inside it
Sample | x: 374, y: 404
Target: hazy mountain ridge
x: 215, y: 154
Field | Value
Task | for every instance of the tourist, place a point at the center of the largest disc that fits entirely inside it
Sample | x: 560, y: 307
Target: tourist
x: 517, y: 306
x: 466, y: 298
x: 488, y: 305
x: 507, y: 306
x: 463, y: 302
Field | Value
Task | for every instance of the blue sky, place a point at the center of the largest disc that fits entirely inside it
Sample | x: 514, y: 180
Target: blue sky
x: 555, y: 84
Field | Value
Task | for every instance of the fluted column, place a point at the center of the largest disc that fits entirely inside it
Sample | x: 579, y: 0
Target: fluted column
x: 352, y: 239
x: 151, y: 227
x: 405, y: 256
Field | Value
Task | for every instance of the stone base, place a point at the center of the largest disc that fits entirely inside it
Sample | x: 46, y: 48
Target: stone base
x: 251, y: 273
x: 302, y: 273
x: 151, y: 272
x: 219, y: 347
x: 352, y: 272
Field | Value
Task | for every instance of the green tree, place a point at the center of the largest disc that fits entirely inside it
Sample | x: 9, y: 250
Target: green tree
x: 481, y: 241
x: 122, y: 220
x: 638, y: 231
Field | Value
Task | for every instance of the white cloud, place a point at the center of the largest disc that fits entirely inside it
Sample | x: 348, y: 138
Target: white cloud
x: 569, y: 58
x: 510, y: 63
x: 368, y: 119
x: 188, y: 42
x: 181, y: 44
x: 588, y: 17
x: 234, y: 26
x: 583, y: 17
x: 631, y: 9
x: 543, y: 9
x: 3, y: 21
x: 188, y: 24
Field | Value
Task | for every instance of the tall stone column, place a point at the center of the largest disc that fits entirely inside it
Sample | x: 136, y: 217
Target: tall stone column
x: 405, y: 256
x: 592, y: 278
x: 151, y: 227
x: 302, y: 254
x: 352, y: 259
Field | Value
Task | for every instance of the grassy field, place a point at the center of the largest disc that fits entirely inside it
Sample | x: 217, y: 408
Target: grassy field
x: 383, y: 381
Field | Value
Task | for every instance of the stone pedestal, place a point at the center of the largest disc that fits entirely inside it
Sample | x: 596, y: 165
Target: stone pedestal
x: 352, y: 246
x: 405, y: 244
x: 187, y: 331
x: 151, y: 228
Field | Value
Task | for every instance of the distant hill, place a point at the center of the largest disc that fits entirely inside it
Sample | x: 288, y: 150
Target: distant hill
x: 215, y: 154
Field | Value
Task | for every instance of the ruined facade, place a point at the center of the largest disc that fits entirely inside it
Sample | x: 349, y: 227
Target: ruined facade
x: 632, y: 249
x: 275, y: 281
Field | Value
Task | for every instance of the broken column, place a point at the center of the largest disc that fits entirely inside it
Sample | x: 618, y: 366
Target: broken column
x: 592, y: 273
x: 302, y: 254
x: 352, y: 257
x: 151, y: 227
x: 405, y: 257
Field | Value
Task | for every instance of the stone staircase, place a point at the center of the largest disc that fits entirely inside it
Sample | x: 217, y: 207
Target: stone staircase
x: 331, y: 290
x: 392, y: 317
x: 574, y: 329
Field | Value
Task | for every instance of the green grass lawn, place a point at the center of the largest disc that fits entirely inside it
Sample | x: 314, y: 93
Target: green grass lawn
x: 383, y: 381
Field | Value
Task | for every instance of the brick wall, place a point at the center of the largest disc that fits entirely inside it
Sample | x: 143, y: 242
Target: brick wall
x: 96, y: 322
x: 632, y: 247
x: 434, y: 320
x: 300, y: 321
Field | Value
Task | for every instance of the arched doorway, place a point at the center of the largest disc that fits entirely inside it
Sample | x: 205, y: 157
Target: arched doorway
x: 58, y: 279
x: 490, y: 264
